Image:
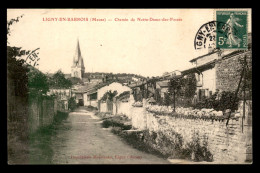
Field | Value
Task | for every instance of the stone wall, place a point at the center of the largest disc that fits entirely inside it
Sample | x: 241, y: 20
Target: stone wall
x: 42, y: 111
x: 48, y: 111
x: 227, y: 78
x: 34, y: 116
x: 228, y: 144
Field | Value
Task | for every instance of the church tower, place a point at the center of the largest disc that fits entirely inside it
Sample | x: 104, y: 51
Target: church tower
x: 77, y: 68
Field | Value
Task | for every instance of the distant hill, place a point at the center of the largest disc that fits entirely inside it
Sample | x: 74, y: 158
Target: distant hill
x: 100, y: 74
x: 122, y: 77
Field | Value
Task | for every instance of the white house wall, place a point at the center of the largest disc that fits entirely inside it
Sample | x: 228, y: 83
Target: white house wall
x: 85, y: 99
x: 87, y: 102
x: 209, y: 80
x: 113, y: 87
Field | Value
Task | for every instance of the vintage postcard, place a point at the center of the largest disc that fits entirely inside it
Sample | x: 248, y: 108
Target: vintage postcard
x: 129, y: 86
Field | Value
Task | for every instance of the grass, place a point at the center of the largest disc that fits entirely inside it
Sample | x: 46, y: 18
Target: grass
x: 157, y: 143
x: 113, y: 122
x: 134, y: 139
x: 20, y: 139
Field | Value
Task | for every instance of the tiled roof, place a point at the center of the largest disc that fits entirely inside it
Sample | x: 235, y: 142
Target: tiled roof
x: 101, y: 85
x: 93, y: 87
x: 86, y: 87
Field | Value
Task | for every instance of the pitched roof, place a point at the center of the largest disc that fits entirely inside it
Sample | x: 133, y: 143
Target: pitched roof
x: 100, y: 85
x: 86, y: 87
x: 195, y: 59
x: 200, y: 68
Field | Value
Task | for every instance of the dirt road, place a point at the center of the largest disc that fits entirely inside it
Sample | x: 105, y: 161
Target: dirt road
x: 81, y: 140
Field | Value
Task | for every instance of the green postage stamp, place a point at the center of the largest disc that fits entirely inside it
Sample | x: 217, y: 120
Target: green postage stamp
x: 232, y: 34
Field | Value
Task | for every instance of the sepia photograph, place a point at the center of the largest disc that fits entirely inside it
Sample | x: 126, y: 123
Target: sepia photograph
x: 129, y: 86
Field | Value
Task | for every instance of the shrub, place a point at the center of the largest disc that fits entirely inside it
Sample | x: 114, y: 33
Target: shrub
x: 60, y: 116
x: 225, y: 101
x: 91, y: 108
x: 110, y: 122
x: 109, y: 95
x: 140, y: 140
x: 72, y: 104
x: 197, y: 151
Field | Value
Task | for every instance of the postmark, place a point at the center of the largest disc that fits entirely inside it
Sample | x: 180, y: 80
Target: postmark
x: 206, y: 35
x: 234, y: 36
x: 33, y: 57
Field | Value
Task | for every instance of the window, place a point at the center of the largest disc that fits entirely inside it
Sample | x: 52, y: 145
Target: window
x: 93, y: 96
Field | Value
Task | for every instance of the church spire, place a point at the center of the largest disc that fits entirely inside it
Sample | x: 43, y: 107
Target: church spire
x: 77, y: 69
x: 78, y: 60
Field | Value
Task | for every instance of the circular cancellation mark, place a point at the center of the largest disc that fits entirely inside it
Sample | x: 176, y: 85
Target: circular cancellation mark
x: 206, y: 35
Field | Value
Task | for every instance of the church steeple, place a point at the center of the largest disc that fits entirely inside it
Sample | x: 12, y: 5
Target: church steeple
x: 77, y: 69
x: 77, y: 59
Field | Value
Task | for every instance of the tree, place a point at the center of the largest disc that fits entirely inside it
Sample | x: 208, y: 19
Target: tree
x: 190, y: 85
x: 58, y: 80
x: 157, y: 96
x: 175, y: 87
x: 72, y: 103
x: 183, y: 88
x: 11, y: 22
x: 37, y: 81
x: 109, y: 95
x: 75, y: 80
x: 167, y: 99
x: 16, y: 68
x: 16, y: 73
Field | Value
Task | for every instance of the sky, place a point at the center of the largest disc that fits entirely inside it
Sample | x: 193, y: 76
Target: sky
x: 147, y: 48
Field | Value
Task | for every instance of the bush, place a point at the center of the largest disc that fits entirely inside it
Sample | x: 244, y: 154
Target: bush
x: 91, y: 108
x: 113, y: 122
x: 225, y: 101
x: 60, y: 116
x: 197, y: 151
x: 164, y: 146
x: 109, y: 95
x: 72, y: 104
x: 139, y: 140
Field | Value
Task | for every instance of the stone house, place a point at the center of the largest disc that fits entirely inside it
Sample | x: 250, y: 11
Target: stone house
x: 218, y: 70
